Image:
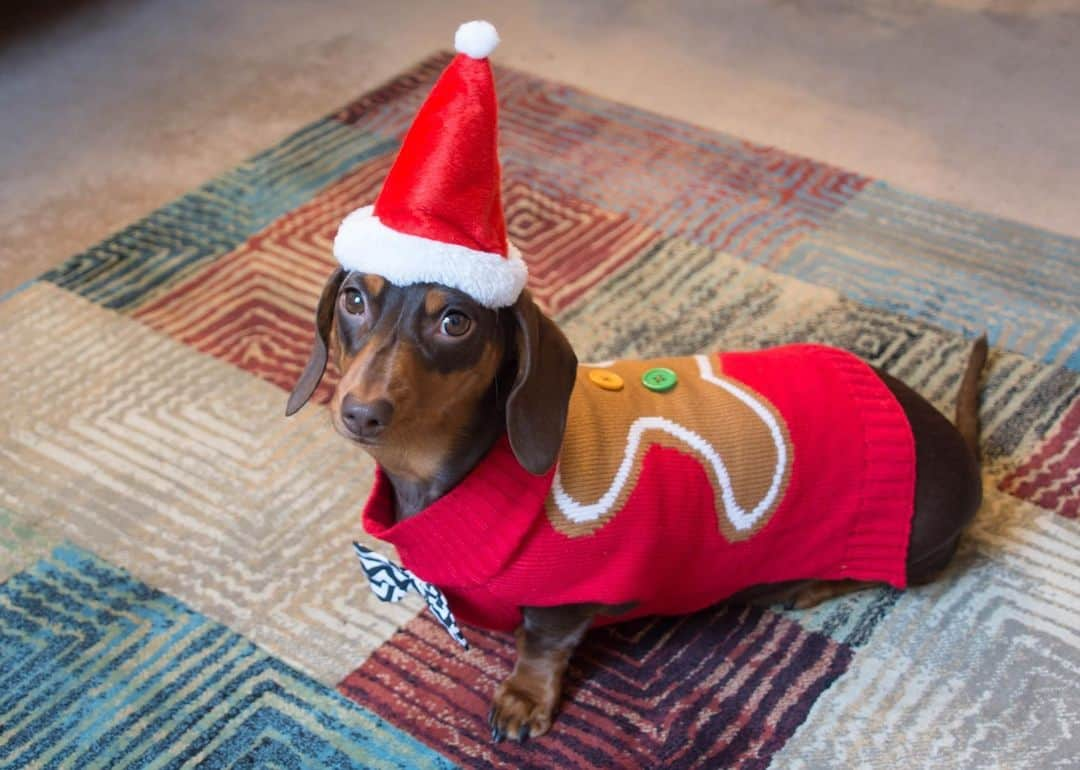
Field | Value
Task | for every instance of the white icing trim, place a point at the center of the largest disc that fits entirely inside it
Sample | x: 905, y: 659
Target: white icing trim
x: 364, y: 243
x: 740, y: 518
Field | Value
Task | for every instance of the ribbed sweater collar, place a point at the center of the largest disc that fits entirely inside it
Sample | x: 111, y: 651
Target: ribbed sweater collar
x: 468, y: 534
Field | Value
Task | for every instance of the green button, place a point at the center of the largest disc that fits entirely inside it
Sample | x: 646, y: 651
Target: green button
x: 660, y: 379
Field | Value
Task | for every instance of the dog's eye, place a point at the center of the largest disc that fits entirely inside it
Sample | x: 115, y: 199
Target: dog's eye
x: 455, y: 324
x: 353, y: 301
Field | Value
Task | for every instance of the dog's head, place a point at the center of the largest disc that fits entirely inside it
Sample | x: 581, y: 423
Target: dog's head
x: 424, y: 369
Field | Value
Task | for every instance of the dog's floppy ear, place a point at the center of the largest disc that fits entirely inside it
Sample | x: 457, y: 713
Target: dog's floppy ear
x: 316, y: 365
x: 536, y: 408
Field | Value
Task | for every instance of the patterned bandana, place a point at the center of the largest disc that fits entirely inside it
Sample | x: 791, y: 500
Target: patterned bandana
x: 390, y: 582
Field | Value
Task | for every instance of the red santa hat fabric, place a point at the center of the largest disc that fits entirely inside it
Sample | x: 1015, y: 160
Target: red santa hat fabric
x: 439, y: 216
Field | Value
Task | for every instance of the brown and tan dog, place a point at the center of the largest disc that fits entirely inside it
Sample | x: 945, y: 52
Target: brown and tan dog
x: 431, y: 379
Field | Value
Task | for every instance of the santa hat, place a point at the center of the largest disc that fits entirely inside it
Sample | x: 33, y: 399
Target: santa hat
x: 439, y: 216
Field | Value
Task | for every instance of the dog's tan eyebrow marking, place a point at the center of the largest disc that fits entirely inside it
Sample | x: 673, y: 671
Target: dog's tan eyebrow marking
x: 435, y: 300
x: 374, y: 284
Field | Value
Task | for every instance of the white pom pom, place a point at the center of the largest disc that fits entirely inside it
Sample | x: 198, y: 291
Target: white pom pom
x: 476, y: 39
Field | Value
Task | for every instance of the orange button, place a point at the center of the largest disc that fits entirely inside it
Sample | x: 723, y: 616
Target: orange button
x: 607, y: 380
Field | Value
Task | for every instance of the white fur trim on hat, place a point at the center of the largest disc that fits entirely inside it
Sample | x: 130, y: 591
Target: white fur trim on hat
x: 364, y: 243
x: 476, y: 39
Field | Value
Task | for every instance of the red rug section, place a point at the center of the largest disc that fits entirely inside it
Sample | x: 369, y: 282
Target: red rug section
x: 255, y: 307
x: 722, y: 688
x: 1051, y: 478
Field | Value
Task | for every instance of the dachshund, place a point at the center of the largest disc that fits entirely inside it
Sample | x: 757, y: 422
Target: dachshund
x: 431, y: 381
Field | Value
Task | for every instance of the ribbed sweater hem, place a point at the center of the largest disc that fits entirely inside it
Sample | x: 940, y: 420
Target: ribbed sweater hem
x: 876, y: 547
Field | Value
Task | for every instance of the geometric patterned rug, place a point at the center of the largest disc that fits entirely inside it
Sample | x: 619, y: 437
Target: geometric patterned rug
x: 177, y: 584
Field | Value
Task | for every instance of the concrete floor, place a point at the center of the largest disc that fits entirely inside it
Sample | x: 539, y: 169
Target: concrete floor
x: 111, y: 108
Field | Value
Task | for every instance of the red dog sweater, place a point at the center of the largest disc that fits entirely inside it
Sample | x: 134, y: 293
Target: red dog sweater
x: 680, y: 482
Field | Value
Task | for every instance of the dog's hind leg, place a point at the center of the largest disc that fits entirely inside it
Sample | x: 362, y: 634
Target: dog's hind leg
x: 798, y: 594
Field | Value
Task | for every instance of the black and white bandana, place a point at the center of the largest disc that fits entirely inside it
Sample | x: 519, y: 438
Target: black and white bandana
x: 390, y: 582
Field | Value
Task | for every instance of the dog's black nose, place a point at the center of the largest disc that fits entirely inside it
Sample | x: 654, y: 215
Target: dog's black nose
x: 366, y: 420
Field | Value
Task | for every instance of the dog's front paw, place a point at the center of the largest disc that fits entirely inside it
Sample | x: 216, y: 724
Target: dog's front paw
x: 521, y: 710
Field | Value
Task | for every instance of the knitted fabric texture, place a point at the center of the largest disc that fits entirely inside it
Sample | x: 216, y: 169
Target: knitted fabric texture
x: 786, y: 464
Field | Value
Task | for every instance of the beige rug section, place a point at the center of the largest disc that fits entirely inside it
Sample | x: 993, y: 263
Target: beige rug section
x: 184, y: 470
x: 955, y: 660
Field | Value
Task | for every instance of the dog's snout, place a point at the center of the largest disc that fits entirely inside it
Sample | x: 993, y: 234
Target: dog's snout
x: 366, y: 420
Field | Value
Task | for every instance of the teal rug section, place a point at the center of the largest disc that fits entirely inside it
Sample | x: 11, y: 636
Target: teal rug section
x: 98, y: 669
x: 127, y: 268
x: 961, y: 270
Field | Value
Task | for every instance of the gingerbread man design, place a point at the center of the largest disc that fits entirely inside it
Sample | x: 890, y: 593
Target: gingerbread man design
x: 620, y: 409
